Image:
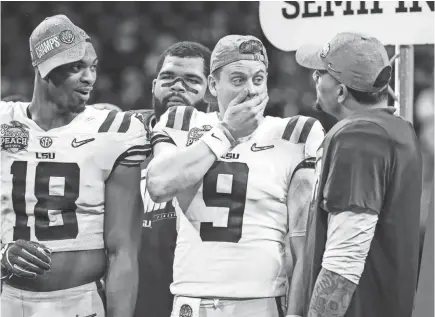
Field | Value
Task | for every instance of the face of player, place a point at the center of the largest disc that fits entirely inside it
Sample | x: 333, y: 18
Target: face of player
x: 70, y: 85
x: 328, y: 91
x: 237, y: 76
x: 180, y: 82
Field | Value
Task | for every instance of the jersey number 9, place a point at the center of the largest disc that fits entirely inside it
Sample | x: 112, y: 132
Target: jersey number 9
x: 234, y: 201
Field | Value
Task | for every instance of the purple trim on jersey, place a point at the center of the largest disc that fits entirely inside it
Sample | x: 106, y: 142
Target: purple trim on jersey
x: 125, y: 124
x: 138, y: 150
x: 171, y: 117
x: 290, y: 127
x: 159, y: 137
x: 306, y: 130
x: 105, y: 126
x: 186, y: 118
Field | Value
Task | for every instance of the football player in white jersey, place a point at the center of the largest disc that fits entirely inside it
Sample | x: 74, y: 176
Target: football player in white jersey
x: 241, y: 186
x: 70, y: 207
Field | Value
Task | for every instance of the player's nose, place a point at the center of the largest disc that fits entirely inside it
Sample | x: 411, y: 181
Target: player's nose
x: 88, y: 76
x: 251, y: 88
x: 178, y: 87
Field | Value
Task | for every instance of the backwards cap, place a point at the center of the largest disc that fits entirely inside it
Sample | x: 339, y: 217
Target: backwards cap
x: 233, y: 48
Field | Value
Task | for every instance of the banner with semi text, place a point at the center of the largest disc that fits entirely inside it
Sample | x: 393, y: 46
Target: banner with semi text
x: 290, y: 24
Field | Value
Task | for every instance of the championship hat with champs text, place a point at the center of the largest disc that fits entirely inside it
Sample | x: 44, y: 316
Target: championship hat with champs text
x: 56, y: 41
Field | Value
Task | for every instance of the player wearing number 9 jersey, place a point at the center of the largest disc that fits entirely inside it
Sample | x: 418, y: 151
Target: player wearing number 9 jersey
x: 235, y: 207
x: 70, y: 178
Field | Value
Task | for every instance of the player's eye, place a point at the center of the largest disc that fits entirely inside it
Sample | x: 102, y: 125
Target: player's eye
x: 75, y: 68
x: 166, y: 77
x: 193, y: 81
x: 237, y: 81
x: 258, y: 80
x: 94, y: 68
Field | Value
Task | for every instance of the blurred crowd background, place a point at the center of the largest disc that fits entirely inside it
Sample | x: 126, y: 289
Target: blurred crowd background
x: 130, y: 36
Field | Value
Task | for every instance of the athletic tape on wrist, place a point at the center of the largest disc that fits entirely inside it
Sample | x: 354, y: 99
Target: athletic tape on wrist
x: 227, y: 132
x: 217, y: 141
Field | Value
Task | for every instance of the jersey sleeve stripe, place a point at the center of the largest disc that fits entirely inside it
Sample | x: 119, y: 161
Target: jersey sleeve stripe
x: 307, y: 163
x: 171, y: 117
x: 186, y: 118
x: 290, y: 128
x: 125, y: 124
x: 139, y: 158
x: 131, y: 155
x: 306, y: 130
x: 140, y: 148
x: 157, y: 138
x: 138, y: 153
x: 108, y: 122
x: 130, y: 163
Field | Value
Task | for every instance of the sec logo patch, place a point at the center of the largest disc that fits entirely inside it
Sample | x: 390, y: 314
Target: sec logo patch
x: 45, y: 142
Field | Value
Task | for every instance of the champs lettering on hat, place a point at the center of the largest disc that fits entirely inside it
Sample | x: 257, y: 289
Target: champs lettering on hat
x: 46, y: 46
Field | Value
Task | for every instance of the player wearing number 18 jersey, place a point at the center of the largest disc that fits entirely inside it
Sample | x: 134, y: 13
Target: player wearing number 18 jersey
x: 234, y: 220
x: 54, y: 180
x: 70, y: 177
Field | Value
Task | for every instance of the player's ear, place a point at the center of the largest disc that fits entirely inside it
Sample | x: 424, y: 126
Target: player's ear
x: 212, y: 85
x: 343, y: 93
x: 153, y: 88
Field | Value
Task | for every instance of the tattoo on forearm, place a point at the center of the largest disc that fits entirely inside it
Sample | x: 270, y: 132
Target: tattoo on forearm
x: 331, y: 296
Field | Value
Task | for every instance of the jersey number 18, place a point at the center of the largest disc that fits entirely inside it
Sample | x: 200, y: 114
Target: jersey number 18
x: 45, y: 202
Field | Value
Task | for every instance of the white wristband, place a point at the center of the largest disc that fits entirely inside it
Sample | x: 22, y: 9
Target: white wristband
x: 217, y: 141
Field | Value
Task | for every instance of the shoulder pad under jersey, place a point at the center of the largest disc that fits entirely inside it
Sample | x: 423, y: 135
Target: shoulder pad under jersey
x: 306, y: 130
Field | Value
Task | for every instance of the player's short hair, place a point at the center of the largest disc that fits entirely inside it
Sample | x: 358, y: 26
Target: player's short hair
x: 189, y: 50
x: 217, y: 73
x: 382, y: 82
x: 369, y: 98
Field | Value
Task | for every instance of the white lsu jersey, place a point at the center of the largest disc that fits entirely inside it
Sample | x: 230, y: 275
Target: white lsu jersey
x: 53, y: 182
x: 232, y: 228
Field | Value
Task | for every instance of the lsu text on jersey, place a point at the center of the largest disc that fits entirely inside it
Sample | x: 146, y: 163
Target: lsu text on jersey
x: 231, y: 230
x: 53, y: 182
